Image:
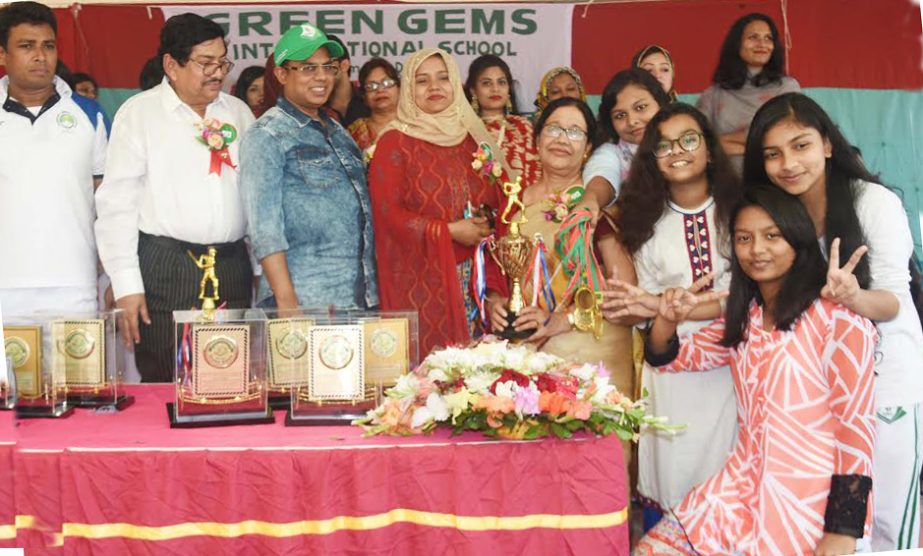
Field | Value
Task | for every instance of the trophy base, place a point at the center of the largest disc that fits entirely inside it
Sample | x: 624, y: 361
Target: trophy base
x: 91, y: 401
x: 510, y: 333
x: 329, y: 414
x: 218, y: 420
x: 43, y: 412
x: 280, y: 401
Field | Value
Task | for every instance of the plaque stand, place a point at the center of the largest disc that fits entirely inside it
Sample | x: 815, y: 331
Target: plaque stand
x: 220, y: 420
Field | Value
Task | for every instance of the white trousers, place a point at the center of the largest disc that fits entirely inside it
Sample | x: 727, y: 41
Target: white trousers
x: 896, y: 478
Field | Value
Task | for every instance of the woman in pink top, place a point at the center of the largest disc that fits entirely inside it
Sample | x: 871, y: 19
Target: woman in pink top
x: 799, y: 478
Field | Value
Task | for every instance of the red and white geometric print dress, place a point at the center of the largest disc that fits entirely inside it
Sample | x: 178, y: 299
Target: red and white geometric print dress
x: 806, y: 412
x: 683, y: 248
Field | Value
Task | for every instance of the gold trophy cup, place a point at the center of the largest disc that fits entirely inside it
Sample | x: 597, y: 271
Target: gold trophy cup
x: 512, y: 253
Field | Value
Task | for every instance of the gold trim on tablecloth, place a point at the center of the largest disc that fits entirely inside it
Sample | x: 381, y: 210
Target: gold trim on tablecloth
x: 339, y: 523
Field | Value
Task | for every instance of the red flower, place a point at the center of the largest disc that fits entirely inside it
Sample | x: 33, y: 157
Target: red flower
x: 564, y: 385
x: 508, y: 375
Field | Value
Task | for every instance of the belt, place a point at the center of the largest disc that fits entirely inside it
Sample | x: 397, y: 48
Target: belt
x: 222, y: 249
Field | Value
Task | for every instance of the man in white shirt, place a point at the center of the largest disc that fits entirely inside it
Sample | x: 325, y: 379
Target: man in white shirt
x: 52, y: 155
x: 171, y: 190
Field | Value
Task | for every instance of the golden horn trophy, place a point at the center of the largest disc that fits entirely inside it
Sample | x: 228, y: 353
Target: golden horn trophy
x: 512, y: 253
x: 207, y: 264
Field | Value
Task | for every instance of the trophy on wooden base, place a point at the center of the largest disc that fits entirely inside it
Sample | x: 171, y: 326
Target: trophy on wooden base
x: 220, y: 361
x: 87, y: 351
x: 41, y: 390
x: 512, y: 253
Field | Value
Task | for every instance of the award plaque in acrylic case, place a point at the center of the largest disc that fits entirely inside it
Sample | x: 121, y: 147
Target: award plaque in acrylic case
x: 352, y: 357
x: 220, y: 376
x: 41, y: 389
x: 288, y: 357
x: 89, y: 352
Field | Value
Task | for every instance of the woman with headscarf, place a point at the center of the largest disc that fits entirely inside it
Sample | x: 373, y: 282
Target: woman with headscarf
x: 430, y: 206
x: 656, y: 60
x: 559, y: 82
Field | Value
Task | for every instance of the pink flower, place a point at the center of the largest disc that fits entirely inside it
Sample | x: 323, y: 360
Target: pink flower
x: 216, y: 141
x: 526, y: 400
x: 580, y: 409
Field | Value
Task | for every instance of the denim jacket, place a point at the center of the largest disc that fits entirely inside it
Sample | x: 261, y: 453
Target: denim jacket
x: 306, y: 194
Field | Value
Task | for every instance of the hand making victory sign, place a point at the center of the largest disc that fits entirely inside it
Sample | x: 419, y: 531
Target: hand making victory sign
x: 842, y: 286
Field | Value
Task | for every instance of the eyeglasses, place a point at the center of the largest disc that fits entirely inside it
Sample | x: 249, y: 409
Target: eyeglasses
x: 311, y: 69
x: 211, y: 68
x: 373, y: 86
x: 573, y: 133
x: 688, y: 141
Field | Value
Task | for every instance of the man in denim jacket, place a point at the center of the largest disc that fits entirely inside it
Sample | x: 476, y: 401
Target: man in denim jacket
x: 305, y: 189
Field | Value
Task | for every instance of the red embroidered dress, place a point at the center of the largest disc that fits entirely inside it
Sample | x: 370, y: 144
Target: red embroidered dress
x: 514, y: 135
x: 417, y: 188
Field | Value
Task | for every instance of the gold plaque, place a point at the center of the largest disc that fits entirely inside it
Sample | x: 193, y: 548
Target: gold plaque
x: 24, y: 345
x: 80, y: 352
x: 387, y: 350
x: 289, y: 359
x: 220, y: 361
x: 337, y: 370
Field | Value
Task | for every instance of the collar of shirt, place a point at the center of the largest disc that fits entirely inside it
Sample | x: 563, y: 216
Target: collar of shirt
x: 171, y: 101
x: 62, y: 90
x: 299, y: 116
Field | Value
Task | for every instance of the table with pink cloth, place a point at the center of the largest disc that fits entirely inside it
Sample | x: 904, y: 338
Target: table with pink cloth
x: 126, y: 483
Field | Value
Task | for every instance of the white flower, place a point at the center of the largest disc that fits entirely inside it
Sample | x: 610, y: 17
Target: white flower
x: 437, y: 406
x: 506, y: 389
x: 407, y: 386
x: 458, y: 402
x: 515, y: 358
x: 438, y: 374
x: 585, y: 372
x: 602, y: 390
x: 491, y: 351
x: 539, y: 362
x: 421, y: 417
x: 479, y: 383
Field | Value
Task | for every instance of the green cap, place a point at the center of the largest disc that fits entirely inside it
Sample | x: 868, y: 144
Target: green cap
x: 302, y: 41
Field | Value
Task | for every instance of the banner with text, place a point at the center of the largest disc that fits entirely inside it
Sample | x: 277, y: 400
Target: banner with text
x: 530, y: 38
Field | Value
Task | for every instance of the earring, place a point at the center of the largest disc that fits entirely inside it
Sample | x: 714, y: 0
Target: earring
x: 475, y: 106
x: 509, y: 106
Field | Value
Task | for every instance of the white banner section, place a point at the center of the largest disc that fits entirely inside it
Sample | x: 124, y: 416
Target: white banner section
x: 531, y: 38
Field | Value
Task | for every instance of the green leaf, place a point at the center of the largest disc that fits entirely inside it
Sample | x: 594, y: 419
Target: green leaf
x: 560, y: 430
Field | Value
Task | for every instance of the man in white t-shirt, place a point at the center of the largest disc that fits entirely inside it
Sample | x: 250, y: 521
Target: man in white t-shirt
x: 52, y: 155
x: 171, y: 190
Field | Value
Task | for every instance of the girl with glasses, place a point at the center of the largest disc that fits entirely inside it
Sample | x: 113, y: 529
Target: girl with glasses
x: 380, y: 87
x: 672, y: 217
x: 798, y: 479
x: 489, y: 88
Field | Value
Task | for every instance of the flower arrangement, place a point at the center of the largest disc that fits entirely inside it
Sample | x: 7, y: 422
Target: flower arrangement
x: 485, y: 163
x: 560, y: 203
x: 508, y: 391
x: 216, y: 136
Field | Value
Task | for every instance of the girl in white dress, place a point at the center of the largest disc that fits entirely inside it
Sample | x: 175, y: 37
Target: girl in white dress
x: 672, y: 216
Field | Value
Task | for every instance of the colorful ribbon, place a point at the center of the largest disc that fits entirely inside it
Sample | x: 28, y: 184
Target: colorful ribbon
x: 575, y: 247
x: 541, y: 280
x: 218, y: 158
x: 480, y: 281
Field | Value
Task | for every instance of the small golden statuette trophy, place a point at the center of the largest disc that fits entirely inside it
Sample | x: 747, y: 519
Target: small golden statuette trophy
x: 207, y: 264
x: 512, y: 253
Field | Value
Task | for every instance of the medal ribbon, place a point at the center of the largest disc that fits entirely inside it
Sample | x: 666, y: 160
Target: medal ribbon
x: 541, y: 280
x: 575, y: 247
x: 480, y: 281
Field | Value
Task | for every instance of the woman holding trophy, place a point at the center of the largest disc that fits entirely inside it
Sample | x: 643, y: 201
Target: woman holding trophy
x: 563, y: 138
x: 431, y: 206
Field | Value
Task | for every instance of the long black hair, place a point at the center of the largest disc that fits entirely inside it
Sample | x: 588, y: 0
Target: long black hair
x: 732, y: 72
x: 802, y: 283
x: 844, y: 170
x: 479, y: 66
x: 622, y: 79
x: 645, y: 193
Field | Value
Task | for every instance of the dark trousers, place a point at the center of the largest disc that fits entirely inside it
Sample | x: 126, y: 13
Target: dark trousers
x: 171, y: 283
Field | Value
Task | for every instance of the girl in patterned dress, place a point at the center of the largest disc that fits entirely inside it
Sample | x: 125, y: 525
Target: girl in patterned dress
x: 794, y: 145
x: 672, y: 218
x: 799, y: 478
